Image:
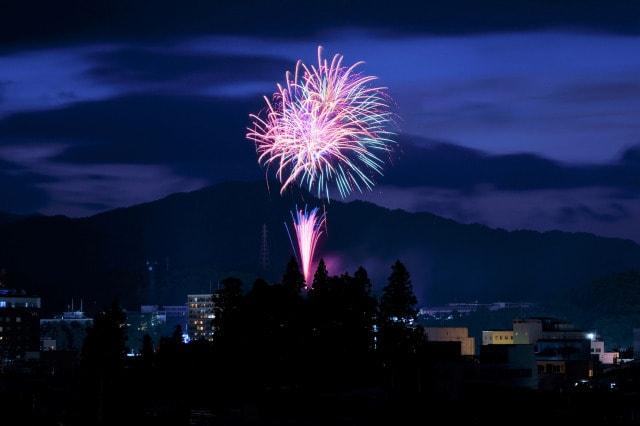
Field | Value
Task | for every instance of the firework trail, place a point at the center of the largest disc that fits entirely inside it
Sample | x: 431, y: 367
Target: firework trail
x: 307, y: 226
x: 327, y: 126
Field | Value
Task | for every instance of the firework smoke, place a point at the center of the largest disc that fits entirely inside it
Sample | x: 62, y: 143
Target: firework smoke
x: 326, y: 126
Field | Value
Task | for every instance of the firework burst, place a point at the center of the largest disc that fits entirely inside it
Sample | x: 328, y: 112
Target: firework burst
x: 327, y: 126
x: 307, y: 226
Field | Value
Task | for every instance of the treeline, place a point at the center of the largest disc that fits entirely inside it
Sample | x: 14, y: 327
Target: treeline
x: 276, y: 340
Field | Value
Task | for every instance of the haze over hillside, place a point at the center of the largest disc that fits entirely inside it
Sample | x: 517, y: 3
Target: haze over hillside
x: 191, y: 240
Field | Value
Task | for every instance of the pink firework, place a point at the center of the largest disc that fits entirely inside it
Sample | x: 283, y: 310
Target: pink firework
x: 308, y: 229
x: 327, y: 126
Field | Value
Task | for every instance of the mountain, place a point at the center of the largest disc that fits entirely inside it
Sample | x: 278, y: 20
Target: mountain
x: 8, y: 217
x: 159, y: 251
x: 610, y: 306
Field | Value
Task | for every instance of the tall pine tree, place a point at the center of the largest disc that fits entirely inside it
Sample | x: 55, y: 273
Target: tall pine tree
x: 321, y: 277
x: 228, y: 303
x: 293, y: 280
x: 398, y: 301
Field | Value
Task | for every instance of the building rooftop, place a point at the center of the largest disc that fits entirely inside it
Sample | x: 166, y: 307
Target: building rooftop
x: 12, y: 292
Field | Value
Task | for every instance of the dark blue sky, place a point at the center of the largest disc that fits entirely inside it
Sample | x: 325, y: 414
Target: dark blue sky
x: 514, y: 114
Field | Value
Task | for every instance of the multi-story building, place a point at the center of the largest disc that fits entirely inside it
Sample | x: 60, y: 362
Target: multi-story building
x: 509, y: 365
x: 497, y: 337
x: 562, y: 352
x: 19, y: 325
x: 452, y: 334
x: 529, y: 330
x: 597, y: 349
x: 562, y: 360
x: 64, y: 332
x: 201, y: 316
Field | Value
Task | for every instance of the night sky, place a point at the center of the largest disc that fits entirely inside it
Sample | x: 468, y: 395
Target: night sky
x: 512, y: 114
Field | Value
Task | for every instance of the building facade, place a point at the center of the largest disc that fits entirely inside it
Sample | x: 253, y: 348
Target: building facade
x: 497, y: 337
x: 201, y: 316
x: 509, y: 365
x: 19, y: 325
x: 65, y: 332
x: 452, y: 334
x: 597, y: 349
x: 562, y: 353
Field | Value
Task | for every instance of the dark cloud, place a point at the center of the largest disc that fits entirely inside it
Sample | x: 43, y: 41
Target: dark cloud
x: 614, y: 212
x: 20, y: 189
x: 442, y: 165
x: 135, y: 66
x: 137, y: 148
x: 203, y: 138
x: 601, y: 211
x: 37, y: 21
x: 3, y: 86
x: 197, y: 136
x: 615, y: 90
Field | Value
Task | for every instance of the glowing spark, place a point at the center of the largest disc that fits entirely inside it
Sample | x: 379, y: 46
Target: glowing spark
x: 308, y: 229
x: 326, y: 126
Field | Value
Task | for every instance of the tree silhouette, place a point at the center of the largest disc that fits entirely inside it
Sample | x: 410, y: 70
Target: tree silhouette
x: 320, y: 278
x: 176, y: 336
x: 147, y: 351
x: 398, y: 337
x: 103, y: 356
x: 365, y: 308
x: 293, y: 280
x: 227, y: 306
x: 398, y: 300
x: 104, y: 346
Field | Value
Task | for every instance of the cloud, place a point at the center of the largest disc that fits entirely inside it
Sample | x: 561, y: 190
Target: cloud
x: 20, y: 189
x: 107, y: 154
x: 72, y: 21
x: 502, y: 93
x: 195, y: 133
x: 493, y: 92
x: 443, y: 165
x: 166, y: 71
x: 611, y: 213
x: 3, y: 85
x: 85, y: 190
x: 50, y: 186
x: 48, y: 78
x: 598, y: 210
x: 618, y: 89
x: 529, y: 137
x: 181, y: 142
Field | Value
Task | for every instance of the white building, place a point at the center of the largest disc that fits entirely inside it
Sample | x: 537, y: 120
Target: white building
x: 453, y: 334
x: 597, y: 348
x: 497, y: 337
